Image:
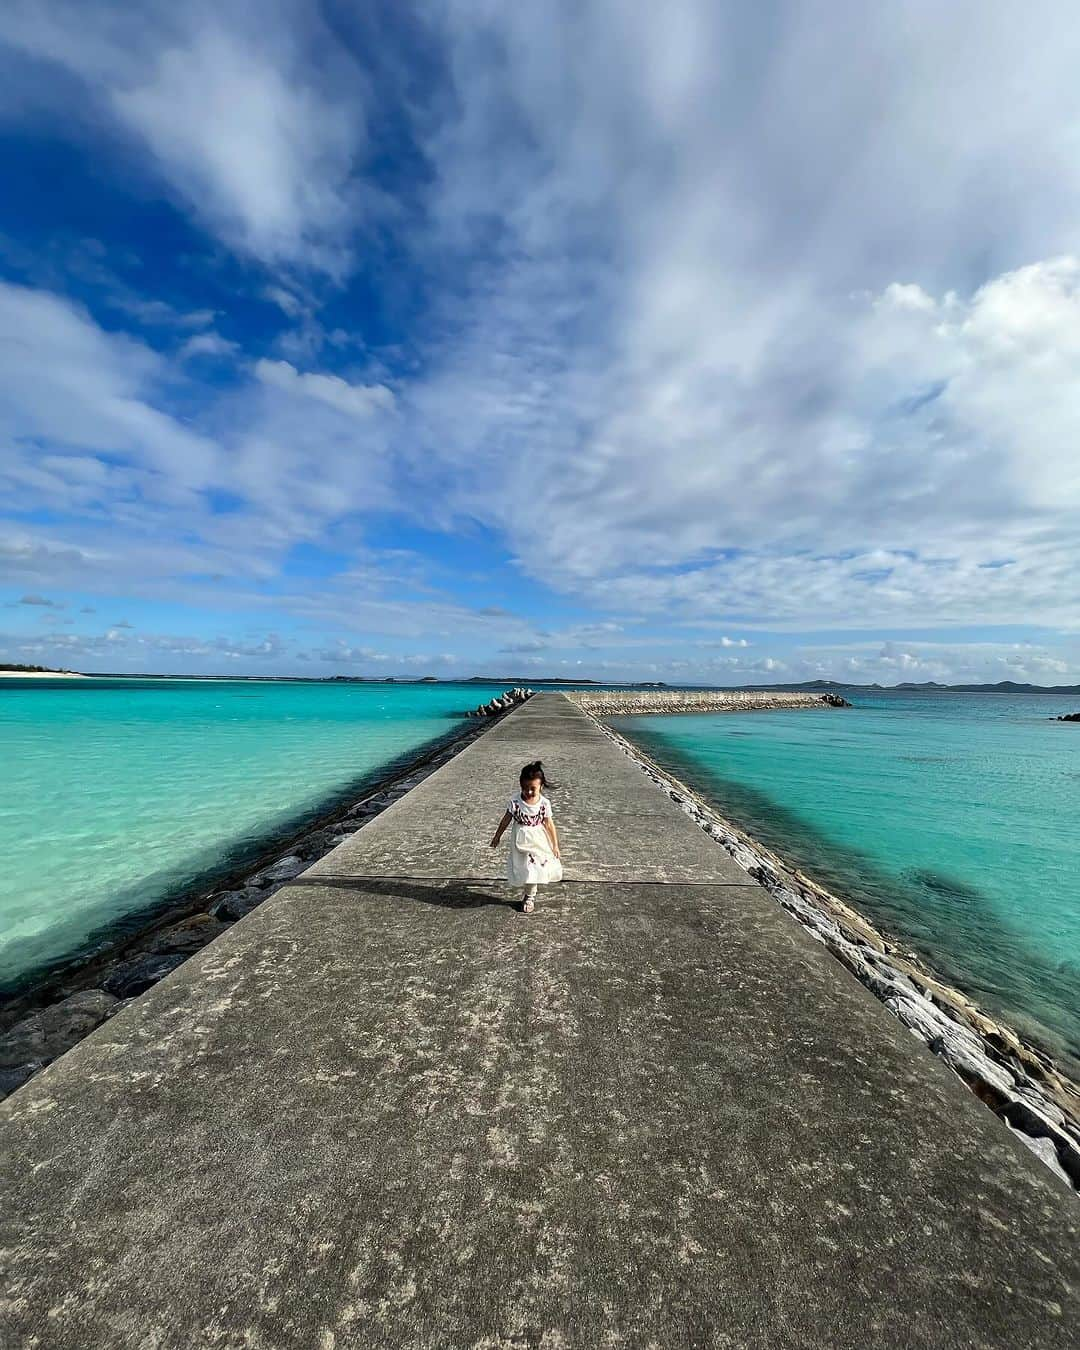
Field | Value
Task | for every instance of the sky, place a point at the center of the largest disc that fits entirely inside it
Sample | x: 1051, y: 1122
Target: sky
x: 703, y: 342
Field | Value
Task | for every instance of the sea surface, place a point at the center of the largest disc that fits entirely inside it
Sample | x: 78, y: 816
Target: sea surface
x: 950, y: 820
x: 116, y: 794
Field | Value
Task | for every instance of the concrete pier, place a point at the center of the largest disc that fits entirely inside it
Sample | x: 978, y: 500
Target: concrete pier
x: 387, y: 1109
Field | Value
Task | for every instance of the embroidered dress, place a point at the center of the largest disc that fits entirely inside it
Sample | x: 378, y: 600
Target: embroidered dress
x: 532, y: 861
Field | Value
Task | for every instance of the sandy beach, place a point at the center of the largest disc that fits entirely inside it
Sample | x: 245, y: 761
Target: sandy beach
x: 42, y: 675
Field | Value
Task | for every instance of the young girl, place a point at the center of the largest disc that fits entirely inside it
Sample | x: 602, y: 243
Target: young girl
x: 534, y: 844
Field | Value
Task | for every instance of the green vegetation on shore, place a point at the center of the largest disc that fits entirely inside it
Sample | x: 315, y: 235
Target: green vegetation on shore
x: 34, y: 670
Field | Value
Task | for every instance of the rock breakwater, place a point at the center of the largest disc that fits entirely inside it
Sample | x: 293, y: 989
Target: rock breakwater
x: 635, y: 702
x: 502, y: 703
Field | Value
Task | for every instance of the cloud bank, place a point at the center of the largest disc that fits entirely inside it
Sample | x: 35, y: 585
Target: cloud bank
x: 646, y: 329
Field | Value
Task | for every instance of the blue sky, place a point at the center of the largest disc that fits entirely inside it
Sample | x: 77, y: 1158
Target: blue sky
x: 703, y: 342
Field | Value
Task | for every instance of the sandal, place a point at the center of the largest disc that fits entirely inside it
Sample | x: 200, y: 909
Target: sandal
x: 527, y: 905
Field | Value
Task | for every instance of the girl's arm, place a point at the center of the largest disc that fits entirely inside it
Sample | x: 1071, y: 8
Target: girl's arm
x: 506, y: 819
x: 552, y: 834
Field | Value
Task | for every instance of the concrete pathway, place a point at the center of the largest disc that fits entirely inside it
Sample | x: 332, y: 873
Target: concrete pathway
x: 387, y: 1109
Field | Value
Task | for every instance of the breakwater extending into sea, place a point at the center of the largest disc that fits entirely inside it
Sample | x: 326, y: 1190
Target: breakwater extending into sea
x: 772, y: 776
x: 100, y: 963
x: 657, y: 702
x: 282, y: 1142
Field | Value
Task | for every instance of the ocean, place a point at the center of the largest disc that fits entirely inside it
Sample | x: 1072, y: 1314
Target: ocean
x: 950, y: 820
x: 116, y: 794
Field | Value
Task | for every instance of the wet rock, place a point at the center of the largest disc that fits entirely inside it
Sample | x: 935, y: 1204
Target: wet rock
x: 136, y: 976
x: 233, y: 905
x: 1044, y: 1149
x: 835, y: 701
x: 315, y: 845
x: 188, y: 937
x: 47, y: 1033
x: 15, y: 1077
x: 1044, y: 1110
x: 283, y: 870
x: 888, y: 985
x: 1068, y: 717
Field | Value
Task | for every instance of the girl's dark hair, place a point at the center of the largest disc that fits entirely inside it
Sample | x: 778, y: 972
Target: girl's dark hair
x: 535, y: 770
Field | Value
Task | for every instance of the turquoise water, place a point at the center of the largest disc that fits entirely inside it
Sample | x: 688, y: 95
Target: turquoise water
x: 948, y: 819
x: 115, y: 794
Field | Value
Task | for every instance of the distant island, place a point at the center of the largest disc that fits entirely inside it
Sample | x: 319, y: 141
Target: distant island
x: 932, y: 687
x: 808, y: 686
x: 518, y: 679
x: 36, y: 672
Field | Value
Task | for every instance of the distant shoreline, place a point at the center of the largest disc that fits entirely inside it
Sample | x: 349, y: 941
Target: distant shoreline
x: 806, y: 687
x: 43, y: 675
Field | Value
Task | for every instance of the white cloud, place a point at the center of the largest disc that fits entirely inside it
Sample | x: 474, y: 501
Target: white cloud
x: 754, y: 322
x: 208, y: 344
x: 674, y: 366
x: 86, y: 430
x: 286, y: 301
x: 357, y: 400
x: 156, y: 312
x: 257, y: 140
x: 70, y: 385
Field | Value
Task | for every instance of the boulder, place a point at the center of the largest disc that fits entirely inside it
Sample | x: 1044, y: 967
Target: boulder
x: 189, y: 937
x: 50, y: 1031
x: 315, y: 844
x: 233, y: 905
x: 1069, y: 717
x: 282, y: 870
x: 502, y: 702
x: 13, y: 1078
x: 136, y: 976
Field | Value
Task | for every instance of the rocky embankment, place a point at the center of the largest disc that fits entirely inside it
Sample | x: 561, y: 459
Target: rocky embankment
x: 503, y: 703
x: 1068, y: 717
x: 635, y: 702
x: 1020, y: 1084
x: 40, y: 1026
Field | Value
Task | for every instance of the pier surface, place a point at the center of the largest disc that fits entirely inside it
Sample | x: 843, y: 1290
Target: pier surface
x: 388, y: 1109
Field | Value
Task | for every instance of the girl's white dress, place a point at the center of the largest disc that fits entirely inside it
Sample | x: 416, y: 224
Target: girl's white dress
x: 532, y: 861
